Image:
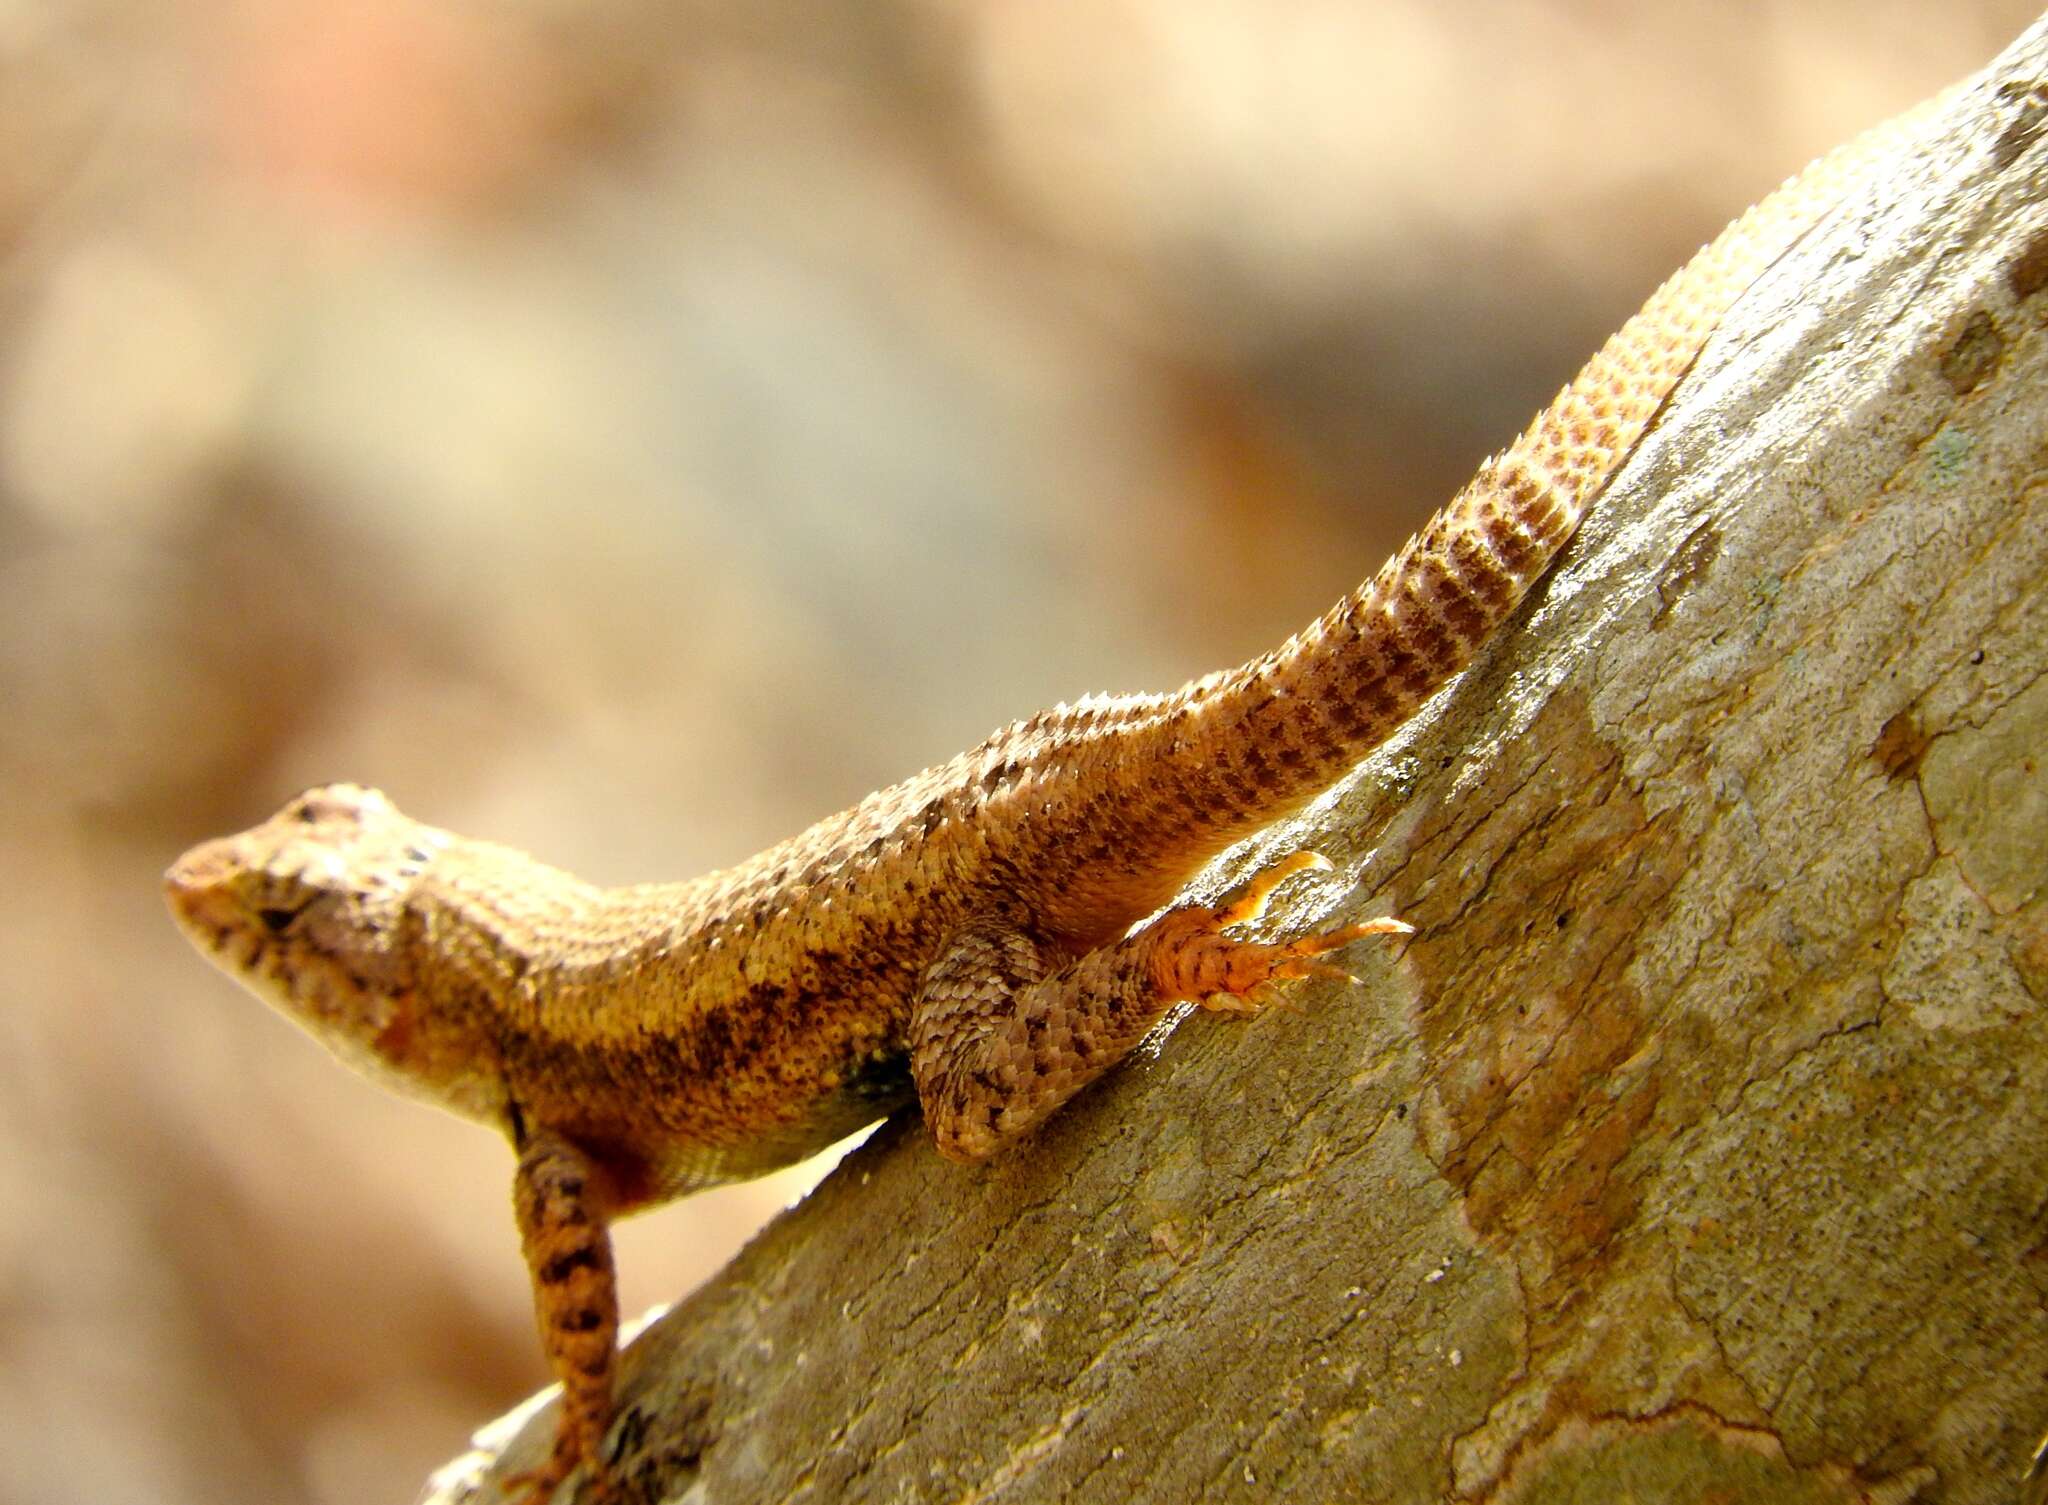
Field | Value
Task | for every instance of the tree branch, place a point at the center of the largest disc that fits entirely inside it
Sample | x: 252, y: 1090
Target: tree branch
x: 1697, y: 1136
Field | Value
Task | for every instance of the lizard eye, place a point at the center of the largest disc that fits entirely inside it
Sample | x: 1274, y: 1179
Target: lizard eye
x: 276, y: 920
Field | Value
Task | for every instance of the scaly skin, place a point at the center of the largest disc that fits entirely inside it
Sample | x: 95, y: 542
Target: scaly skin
x: 964, y: 938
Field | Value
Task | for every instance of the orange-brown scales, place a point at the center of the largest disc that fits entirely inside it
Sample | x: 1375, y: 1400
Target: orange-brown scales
x: 965, y: 937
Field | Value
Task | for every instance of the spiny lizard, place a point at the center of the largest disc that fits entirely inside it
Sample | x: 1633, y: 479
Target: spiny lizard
x: 964, y: 939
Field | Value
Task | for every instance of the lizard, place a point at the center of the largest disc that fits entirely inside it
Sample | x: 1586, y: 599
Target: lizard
x: 984, y: 939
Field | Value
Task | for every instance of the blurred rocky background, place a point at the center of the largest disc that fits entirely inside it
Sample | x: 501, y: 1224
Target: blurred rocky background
x: 631, y: 430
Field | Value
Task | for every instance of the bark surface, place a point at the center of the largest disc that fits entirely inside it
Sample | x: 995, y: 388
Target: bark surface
x: 1696, y: 1142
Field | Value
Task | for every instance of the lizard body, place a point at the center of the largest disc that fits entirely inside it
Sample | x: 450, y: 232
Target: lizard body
x: 964, y: 939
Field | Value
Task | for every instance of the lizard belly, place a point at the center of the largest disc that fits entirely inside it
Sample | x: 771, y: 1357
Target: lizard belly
x: 663, y: 1126
x: 684, y: 1167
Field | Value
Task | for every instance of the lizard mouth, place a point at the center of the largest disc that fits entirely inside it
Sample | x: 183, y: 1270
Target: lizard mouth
x: 259, y: 947
x: 247, y: 944
x: 193, y: 889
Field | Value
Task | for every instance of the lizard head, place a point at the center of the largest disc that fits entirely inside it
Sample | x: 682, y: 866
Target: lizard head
x: 308, y: 911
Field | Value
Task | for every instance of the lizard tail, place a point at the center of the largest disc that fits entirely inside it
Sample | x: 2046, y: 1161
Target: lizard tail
x: 1247, y: 745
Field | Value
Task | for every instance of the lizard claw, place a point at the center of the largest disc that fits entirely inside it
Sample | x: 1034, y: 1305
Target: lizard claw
x: 539, y: 1486
x: 1248, y: 900
x: 1235, y: 977
x: 533, y: 1486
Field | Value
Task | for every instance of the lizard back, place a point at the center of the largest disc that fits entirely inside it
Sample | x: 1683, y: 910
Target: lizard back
x: 708, y: 1030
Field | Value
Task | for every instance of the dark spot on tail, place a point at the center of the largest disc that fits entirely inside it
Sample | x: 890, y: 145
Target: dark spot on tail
x: 562, y: 1266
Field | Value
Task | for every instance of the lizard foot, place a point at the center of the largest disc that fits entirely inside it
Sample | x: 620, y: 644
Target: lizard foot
x: 533, y: 1486
x: 1195, y: 960
x: 538, y: 1486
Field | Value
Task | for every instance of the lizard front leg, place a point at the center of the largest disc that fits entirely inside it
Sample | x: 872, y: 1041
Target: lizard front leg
x: 558, y: 1199
x: 1004, y: 1030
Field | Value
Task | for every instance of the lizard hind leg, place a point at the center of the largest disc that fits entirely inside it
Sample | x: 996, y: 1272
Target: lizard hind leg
x: 1005, y: 1029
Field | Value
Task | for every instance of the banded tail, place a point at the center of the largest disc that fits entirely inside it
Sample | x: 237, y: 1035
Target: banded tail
x: 1246, y: 746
